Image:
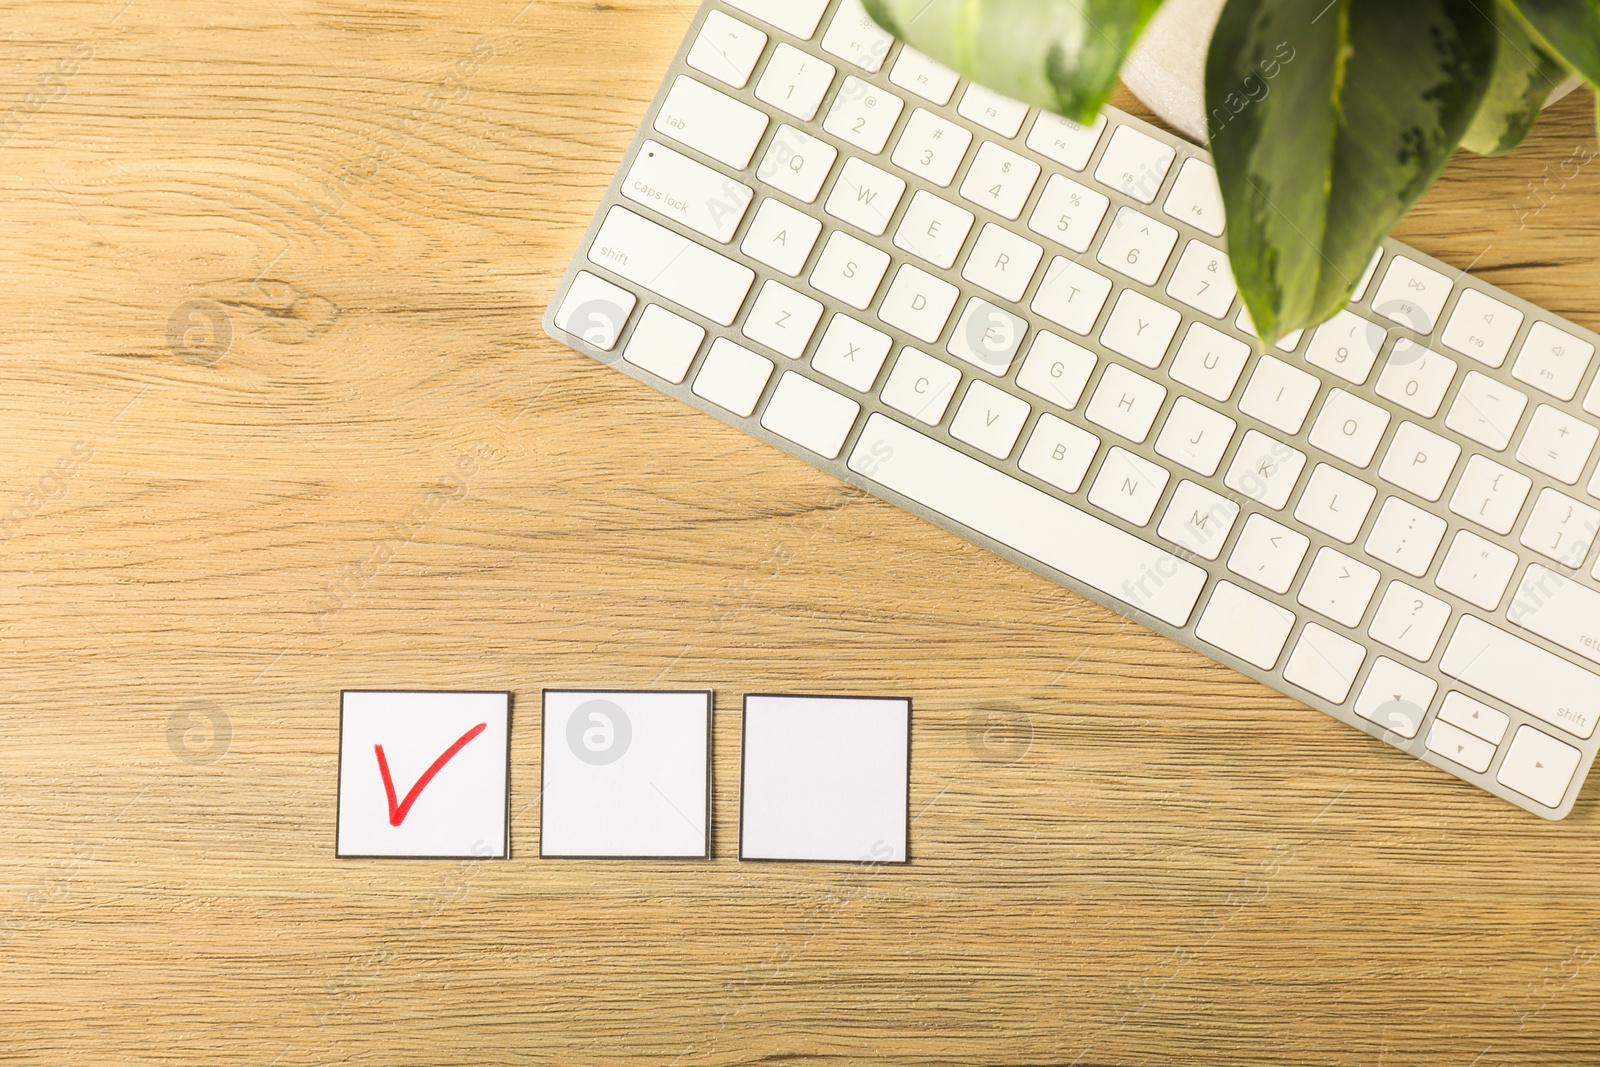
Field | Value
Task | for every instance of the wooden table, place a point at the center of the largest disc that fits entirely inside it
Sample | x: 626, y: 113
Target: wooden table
x: 280, y: 420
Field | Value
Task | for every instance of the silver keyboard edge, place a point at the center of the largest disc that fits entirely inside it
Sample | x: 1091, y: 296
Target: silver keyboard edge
x: 1216, y: 570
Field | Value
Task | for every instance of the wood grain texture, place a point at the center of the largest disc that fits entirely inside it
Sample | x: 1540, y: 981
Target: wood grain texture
x: 279, y: 420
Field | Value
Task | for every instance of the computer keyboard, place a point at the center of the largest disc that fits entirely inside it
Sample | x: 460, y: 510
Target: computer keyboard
x: 1026, y: 331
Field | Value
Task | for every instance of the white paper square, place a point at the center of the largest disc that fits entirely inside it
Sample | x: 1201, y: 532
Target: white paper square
x: 825, y: 778
x: 460, y: 811
x: 626, y: 773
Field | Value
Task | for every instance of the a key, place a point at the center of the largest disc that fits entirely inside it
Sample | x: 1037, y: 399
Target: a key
x: 1486, y: 410
x: 797, y: 18
x: 1128, y: 486
x: 699, y: 116
x: 1411, y: 294
x: 1419, y: 460
x: 1324, y: 663
x: 1279, y: 395
x: 1134, y: 164
x: 797, y: 163
x: 1059, y: 453
x: 782, y: 319
x: 595, y: 310
x: 679, y: 188
x: 1538, y: 766
x: 1557, y: 444
x: 849, y: 269
x: 920, y: 386
x: 1490, y: 495
x: 1405, y: 536
x: 1068, y: 213
x: 1265, y: 470
x: 851, y: 352
x: 863, y: 114
x: 1056, y: 534
x: 918, y: 303
x: 1000, y: 180
x: 1482, y: 327
x: 781, y: 237
x: 1196, y: 199
x: 1559, y: 608
x: 931, y: 147
x: 1198, y: 519
x: 795, y: 82
x: 1209, y: 361
x: 1560, y: 528
x: 987, y: 336
x: 1125, y: 403
x: 1523, y: 675
x: 917, y: 73
x: 933, y: 229
x: 855, y: 38
x: 1409, y: 621
x: 1195, y: 436
x: 1475, y: 717
x: 1203, y: 280
x: 1245, y: 625
x: 1137, y: 245
x: 664, y: 344
x: 865, y: 196
x: 732, y: 376
x: 1071, y: 295
x: 1268, y: 553
x: 992, y: 111
x: 988, y: 419
x: 1140, y: 328
x: 1476, y: 570
x: 1458, y: 746
x: 1056, y: 369
x: 726, y: 49
x: 1335, y: 503
x: 1002, y: 262
x: 811, y: 415
x: 1553, y: 360
x: 1349, y: 427
x: 1338, y: 587
x: 1415, y: 378
x: 1067, y: 142
x: 660, y: 260
x: 1347, y: 345
x: 1395, y: 697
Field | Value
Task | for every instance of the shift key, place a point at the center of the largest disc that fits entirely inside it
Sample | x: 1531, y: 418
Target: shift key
x: 671, y: 265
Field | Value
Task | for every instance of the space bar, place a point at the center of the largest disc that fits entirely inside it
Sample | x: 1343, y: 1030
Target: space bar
x: 1031, y: 522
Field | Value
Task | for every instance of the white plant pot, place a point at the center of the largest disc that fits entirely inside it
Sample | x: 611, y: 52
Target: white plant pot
x: 1167, y: 69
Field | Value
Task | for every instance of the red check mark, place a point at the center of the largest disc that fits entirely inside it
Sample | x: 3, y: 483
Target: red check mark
x: 397, y: 812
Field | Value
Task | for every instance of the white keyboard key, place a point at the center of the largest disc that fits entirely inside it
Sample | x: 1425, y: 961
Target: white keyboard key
x: 1482, y: 327
x: 798, y: 18
x: 1561, y: 528
x: 1030, y: 521
x: 1486, y: 410
x: 1324, y: 663
x: 1137, y: 245
x: 797, y: 163
x: 726, y: 49
x: 1490, y: 495
x: 1476, y: 570
x: 933, y: 229
x: 708, y: 121
x: 1245, y: 625
x: 1268, y: 554
x: 1412, y: 294
x: 1405, y: 536
x: 921, y: 386
x: 1209, y: 361
x: 1557, y: 607
x: 1000, y: 180
x: 1198, y: 519
x: 1203, y: 280
x: 1523, y: 675
x: 1265, y: 470
x: 1059, y: 453
x: 865, y: 196
x: 811, y: 415
x: 1346, y: 345
x: 1071, y: 295
x: 1338, y: 587
x: 782, y: 319
x: 1287, y: 343
x: 1067, y: 142
x: 988, y: 419
x: 1279, y: 395
x: 1458, y: 746
x: 918, y: 303
x: 1553, y: 360
x: 675, y: 267
x: 595, y: 310
x: 1416, y: 378
x: 664, y: 344
x: 1395, y: 697
x: 1366, y: 277
x: 1002, y: 262
x: 1056, y: 369
x: 849, y: 269
x: 855, y: 38
x: 919, y: 74
x: 732, y: 377
x: 1195, y: 436
x: 1335, y: 503
x: 1140, y: 328
x: 1134, y: 164
x: 1419, y: 460
x: 1068, y: 213
x: 1125, y: 403
x: 863, y: 114
x: 1538, y: 766
x: 986, y: 336
x: 992, y: 111
x: 1349, y: 427
x: 930, y: 147
x: 1196, y: 198
x: 1557, y: 444
x: 1409, y: 621
x: 1128, y: 486
x: 851, y: 353
x: 1475, y: 717
x: 781, y: 237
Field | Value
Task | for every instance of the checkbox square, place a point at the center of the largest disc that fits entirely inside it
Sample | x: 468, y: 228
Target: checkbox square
x: 424, y: 775
x: 825, y: 778
x: 626, y: 774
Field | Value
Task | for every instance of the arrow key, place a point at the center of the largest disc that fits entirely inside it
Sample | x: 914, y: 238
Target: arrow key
x: 1538, y: 766
x: 1458, y: 746
x: 1475, y: 717
x: 1395, y: 697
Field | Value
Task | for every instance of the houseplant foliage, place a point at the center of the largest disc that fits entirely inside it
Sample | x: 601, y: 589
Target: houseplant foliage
x: 1328, y: 119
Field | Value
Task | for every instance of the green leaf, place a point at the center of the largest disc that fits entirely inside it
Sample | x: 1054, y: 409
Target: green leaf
x: 1524, y: 74
x: 1062, y: 55
x: 1319, y: 162
x: 1570, y: 29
